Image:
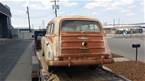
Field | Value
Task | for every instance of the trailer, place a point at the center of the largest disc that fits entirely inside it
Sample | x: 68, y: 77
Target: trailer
x: 71, y: 74
x: 38, y: 71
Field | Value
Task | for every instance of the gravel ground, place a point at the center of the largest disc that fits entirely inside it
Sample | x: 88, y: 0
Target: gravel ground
x: 135, y: 71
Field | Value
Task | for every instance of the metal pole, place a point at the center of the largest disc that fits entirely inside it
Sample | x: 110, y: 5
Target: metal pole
x: 28, y: 19
x: 136, y: 53
x: 136, y: 46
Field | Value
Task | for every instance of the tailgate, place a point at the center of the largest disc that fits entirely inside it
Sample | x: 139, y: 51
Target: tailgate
x: 72, y: 43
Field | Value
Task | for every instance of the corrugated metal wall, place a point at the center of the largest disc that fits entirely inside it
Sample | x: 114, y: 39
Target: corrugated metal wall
x: 5, y: 10
x: 5, y: 22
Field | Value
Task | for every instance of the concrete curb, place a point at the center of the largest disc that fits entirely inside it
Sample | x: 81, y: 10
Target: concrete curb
x: 110, y: 71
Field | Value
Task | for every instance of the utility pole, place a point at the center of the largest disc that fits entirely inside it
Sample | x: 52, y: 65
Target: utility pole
x: 55, y: 7
x: 28, y: 19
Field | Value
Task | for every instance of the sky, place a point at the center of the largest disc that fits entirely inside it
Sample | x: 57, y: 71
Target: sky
x: 107, y: 11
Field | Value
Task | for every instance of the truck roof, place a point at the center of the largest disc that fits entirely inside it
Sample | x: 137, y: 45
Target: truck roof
x: 60, y: 18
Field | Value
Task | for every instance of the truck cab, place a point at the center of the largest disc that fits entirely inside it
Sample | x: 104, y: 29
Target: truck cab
x: 75, y: 41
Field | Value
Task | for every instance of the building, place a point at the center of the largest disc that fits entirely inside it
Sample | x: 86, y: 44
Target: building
x: 5, y: 22
x: 22, y: 33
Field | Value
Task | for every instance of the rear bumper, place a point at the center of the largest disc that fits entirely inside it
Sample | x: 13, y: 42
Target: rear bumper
x: 79, y: 62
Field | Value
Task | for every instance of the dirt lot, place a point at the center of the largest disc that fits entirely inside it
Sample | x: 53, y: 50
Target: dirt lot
x: 135, y: 71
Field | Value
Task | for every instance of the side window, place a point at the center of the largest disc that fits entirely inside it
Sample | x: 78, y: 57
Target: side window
x: 48, y: 28
x: 52, y: 28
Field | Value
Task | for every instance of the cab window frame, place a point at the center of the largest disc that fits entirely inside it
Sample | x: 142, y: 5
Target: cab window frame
x: 48, y: 29
x: 52, y: 28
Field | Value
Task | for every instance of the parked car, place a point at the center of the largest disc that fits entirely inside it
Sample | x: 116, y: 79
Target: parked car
x: 37, y: 37
x: 75, y: 41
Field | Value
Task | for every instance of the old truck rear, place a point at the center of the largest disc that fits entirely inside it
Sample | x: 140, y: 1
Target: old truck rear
x: 75, y: 41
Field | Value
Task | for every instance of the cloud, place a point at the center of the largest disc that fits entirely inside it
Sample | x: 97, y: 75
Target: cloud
x: 27, y: 0
x: 130, y: 14
x: 128, y: 2
x: 38, y: 11
x: 144, y: 11
x: 68, y: 3
x: 39, y: 4
x: 108, y: 4
x: 94, y: 4
x: 47, y: 4
x: 104, y: 9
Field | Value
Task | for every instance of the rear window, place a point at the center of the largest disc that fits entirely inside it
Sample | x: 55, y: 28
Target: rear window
x: 80, y: 26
